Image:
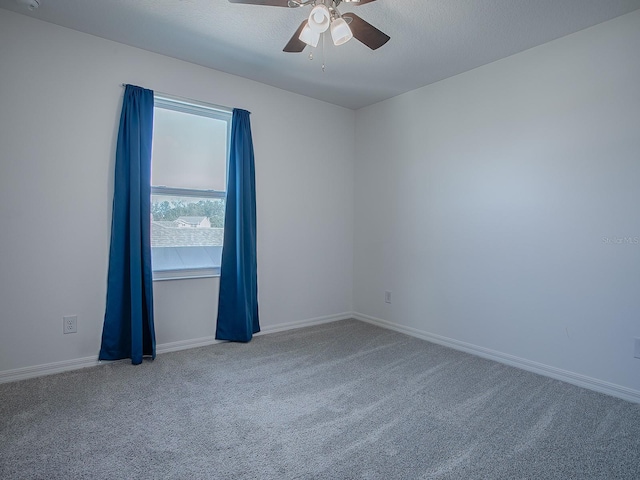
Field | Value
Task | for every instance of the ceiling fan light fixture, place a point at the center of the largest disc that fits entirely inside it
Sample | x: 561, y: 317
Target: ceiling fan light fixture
x: 309, y: 36
x: 320, y: 18
x: 340, y: 31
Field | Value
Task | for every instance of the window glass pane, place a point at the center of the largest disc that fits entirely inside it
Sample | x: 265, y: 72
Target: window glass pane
x: 186, y: 232
x: 189, y: 151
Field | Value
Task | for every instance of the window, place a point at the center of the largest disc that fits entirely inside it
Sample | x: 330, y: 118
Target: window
x: 188, y: 188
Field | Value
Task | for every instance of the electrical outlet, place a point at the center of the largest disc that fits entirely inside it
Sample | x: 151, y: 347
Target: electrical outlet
x: 70, y: 324
x: 636, y: 350
x: 387, y: 296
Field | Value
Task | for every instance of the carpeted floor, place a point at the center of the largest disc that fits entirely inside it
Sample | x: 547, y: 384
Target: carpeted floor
x: 344, y: 400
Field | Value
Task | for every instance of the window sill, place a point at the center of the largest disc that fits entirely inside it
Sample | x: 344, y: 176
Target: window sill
x: 160, y: 276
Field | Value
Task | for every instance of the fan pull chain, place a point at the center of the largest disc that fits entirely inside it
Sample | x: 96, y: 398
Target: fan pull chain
x: 323, y: 57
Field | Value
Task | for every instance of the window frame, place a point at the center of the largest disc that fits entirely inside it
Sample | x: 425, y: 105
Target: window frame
x: 216, y: 112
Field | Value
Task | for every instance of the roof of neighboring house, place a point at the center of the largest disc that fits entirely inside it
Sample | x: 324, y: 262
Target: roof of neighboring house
x: 165, y: 236
x: 166, y: 223
x: 191, y: 220
x: 182, y: 258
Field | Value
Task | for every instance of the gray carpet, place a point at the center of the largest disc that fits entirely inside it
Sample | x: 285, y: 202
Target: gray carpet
x: 344, y: 400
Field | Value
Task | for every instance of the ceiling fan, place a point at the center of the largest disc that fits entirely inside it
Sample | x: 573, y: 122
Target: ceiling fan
x: 325, y: 16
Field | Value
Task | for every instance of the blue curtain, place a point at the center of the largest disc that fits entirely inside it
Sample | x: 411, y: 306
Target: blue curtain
x: 128, y: 330
x: 238, y: 298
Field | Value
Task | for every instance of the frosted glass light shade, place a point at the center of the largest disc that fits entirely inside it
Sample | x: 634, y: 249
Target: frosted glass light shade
x: 340, y: 32
x: 320, y: 18
x: 309, y: 37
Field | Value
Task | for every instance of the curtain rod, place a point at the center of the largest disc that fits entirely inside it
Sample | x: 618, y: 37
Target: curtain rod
x: 189, y: 101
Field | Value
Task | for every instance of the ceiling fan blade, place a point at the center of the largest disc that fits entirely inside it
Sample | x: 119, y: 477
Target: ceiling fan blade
x: 364, y: 2
x: 365, y: 32
x: 271, y: 3
x: 296, y: 45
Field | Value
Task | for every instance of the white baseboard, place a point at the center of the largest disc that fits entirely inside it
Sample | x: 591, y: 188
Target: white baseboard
x: 281, y: 327
x: 531, y: 366
x: 539, y: 368
x: 185, y: 344
x: 47, y: 369
x: 75, y: 364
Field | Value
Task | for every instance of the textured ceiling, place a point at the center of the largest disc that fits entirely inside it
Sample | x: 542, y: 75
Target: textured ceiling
x: 430, y: 39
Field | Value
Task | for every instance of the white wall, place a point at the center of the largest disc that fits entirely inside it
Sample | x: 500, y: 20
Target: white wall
x: 60, y: 100
x: 482, y: 201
